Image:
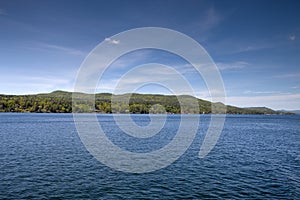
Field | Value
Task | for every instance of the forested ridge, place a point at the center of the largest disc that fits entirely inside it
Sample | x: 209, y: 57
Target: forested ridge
x: 61, y: 102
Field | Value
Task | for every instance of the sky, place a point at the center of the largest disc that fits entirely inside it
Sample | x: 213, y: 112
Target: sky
x: 255, y: 45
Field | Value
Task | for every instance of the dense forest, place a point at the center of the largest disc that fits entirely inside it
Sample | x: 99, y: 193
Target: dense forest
x: 61, y: 102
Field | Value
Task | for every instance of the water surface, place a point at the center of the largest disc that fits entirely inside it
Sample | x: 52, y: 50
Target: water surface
x: 257, y: 156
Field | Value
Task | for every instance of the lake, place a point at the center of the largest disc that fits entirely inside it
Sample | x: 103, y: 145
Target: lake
x: 256, y: 157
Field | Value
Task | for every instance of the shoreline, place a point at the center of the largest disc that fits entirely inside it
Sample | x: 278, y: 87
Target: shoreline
x: 99, y: 113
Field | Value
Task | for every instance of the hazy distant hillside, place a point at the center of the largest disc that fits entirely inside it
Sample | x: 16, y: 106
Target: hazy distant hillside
x: 295, y: 111
x: 61, y: 102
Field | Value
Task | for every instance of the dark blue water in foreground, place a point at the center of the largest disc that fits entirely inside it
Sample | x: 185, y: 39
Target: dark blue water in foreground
x: 257, y: 157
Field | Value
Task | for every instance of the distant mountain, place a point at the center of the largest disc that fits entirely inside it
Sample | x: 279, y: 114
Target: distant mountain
x: 61, y: 102
x: 297, y: 112
x: 261, y: 109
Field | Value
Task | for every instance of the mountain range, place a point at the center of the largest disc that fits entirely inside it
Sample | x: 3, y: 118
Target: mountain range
x: 61, y: 102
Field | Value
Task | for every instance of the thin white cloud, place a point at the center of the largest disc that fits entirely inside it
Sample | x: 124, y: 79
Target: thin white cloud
x: 210, y: 20
x: 46, y: 79
x: 34, y: 87
x: 238, y: 46
x: 66, y: 50
x: 36, y: 83
x: 2, y: 12
x: 131, y: 59
x: 35, y: 78
x: 149, y: 77
x: 214, y: 95
x: 112, y: 41
x: 292, y: 37
x: 107, y: 85
x: 212, y: 17
x: 255, y: 47
x: 143, y: 75
x: 294, y: 75
x: 261, y: 92
x: 233, y: 65
x: 277, y: 102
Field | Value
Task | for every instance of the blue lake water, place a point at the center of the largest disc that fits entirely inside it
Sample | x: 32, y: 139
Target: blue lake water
x: 256, y: 157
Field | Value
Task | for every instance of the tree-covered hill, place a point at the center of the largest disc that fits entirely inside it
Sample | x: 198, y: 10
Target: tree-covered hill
x: 61, y: 102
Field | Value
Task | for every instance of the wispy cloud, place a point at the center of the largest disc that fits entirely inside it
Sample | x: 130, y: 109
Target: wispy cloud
x: 233, y: 65
x: 255, y: 47
x: 292, y: 37
x: 25, y: 84
x: 144, y: 75
x: 132, y: 59
x: 277, y: 101
x: 239, y: 45
x: 209, y: 20
x: 294, y: 75
x: 66, y: 50
x: 46, y: 79
x: 112, y: 41
x: 2, y: 12
x: 262, y: 92
x: 212, y: 18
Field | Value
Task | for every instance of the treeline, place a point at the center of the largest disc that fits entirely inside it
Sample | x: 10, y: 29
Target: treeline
x: 61, y: 102
x: 54, y: 102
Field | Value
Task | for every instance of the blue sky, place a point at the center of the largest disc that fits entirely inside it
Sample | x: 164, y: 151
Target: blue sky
x: 255, y: 44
